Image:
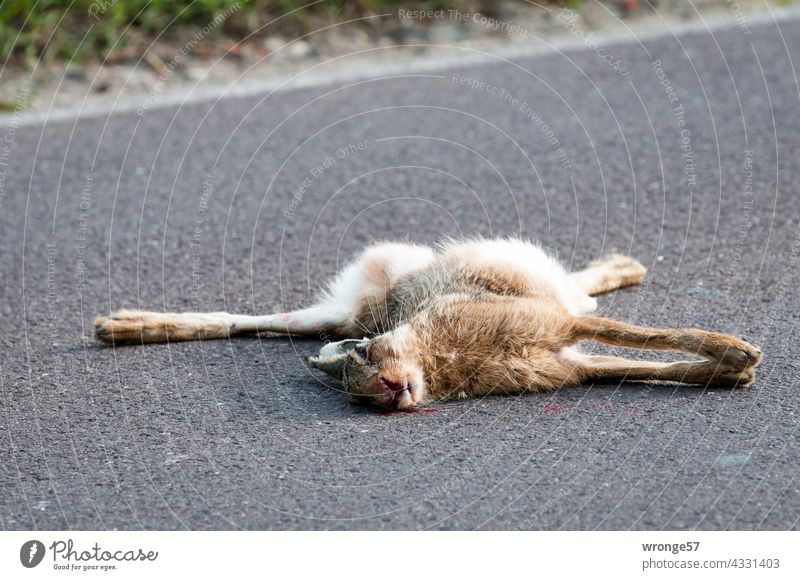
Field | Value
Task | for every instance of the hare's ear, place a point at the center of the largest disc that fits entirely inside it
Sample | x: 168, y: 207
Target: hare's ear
x: 332, y: 357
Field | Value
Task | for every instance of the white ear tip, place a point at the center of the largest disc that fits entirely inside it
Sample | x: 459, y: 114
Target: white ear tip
x: 340, y: 348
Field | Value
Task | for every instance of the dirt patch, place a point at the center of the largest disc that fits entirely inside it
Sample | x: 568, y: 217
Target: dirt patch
x: 207, y: 57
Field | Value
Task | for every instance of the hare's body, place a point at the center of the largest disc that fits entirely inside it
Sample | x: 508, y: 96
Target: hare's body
x: 469, y: 319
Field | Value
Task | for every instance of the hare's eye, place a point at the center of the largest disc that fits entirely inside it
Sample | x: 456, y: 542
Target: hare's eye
x: 361, y: 350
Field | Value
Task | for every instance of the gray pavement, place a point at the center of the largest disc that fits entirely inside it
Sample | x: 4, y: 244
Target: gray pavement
x: 250, y: 204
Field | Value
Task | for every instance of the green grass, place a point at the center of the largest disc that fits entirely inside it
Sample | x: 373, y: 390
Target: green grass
x: 78, y: 30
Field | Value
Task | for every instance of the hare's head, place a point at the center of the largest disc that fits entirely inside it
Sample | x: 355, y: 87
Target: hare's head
x: 382, y: 371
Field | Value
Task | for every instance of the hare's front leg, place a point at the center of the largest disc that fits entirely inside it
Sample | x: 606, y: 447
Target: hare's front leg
x: 731, y: 352
x: 711, y: 373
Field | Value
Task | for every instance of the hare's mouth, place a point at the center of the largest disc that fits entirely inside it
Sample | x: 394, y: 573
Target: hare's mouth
x: 397, y: 399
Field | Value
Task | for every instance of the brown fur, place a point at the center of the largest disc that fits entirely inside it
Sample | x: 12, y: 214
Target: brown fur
x: 460, y: 327
x: 510, y: 337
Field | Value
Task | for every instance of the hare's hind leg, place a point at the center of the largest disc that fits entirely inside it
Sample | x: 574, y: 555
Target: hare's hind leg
x: 135, y: 326
x: 340, y: 312
x: 609, y: 273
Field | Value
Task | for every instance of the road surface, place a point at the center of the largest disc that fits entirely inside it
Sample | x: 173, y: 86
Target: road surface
x: 681, y: 150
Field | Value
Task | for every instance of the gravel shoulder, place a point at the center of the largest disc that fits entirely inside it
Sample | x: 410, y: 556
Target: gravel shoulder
x: 202, y: 64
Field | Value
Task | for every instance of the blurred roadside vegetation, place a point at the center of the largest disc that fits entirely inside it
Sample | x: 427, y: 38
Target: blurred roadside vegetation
x: 81, y: 30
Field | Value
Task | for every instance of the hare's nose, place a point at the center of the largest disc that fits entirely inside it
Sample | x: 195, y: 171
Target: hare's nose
x: 394, y: 386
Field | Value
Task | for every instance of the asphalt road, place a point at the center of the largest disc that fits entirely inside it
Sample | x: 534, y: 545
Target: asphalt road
x: 250, y: 204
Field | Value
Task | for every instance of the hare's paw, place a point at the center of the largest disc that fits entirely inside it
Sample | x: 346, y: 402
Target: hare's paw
x: 724, y: 377
x: 120, y: 327
x: 627, y: 269
x: 731, y: 352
